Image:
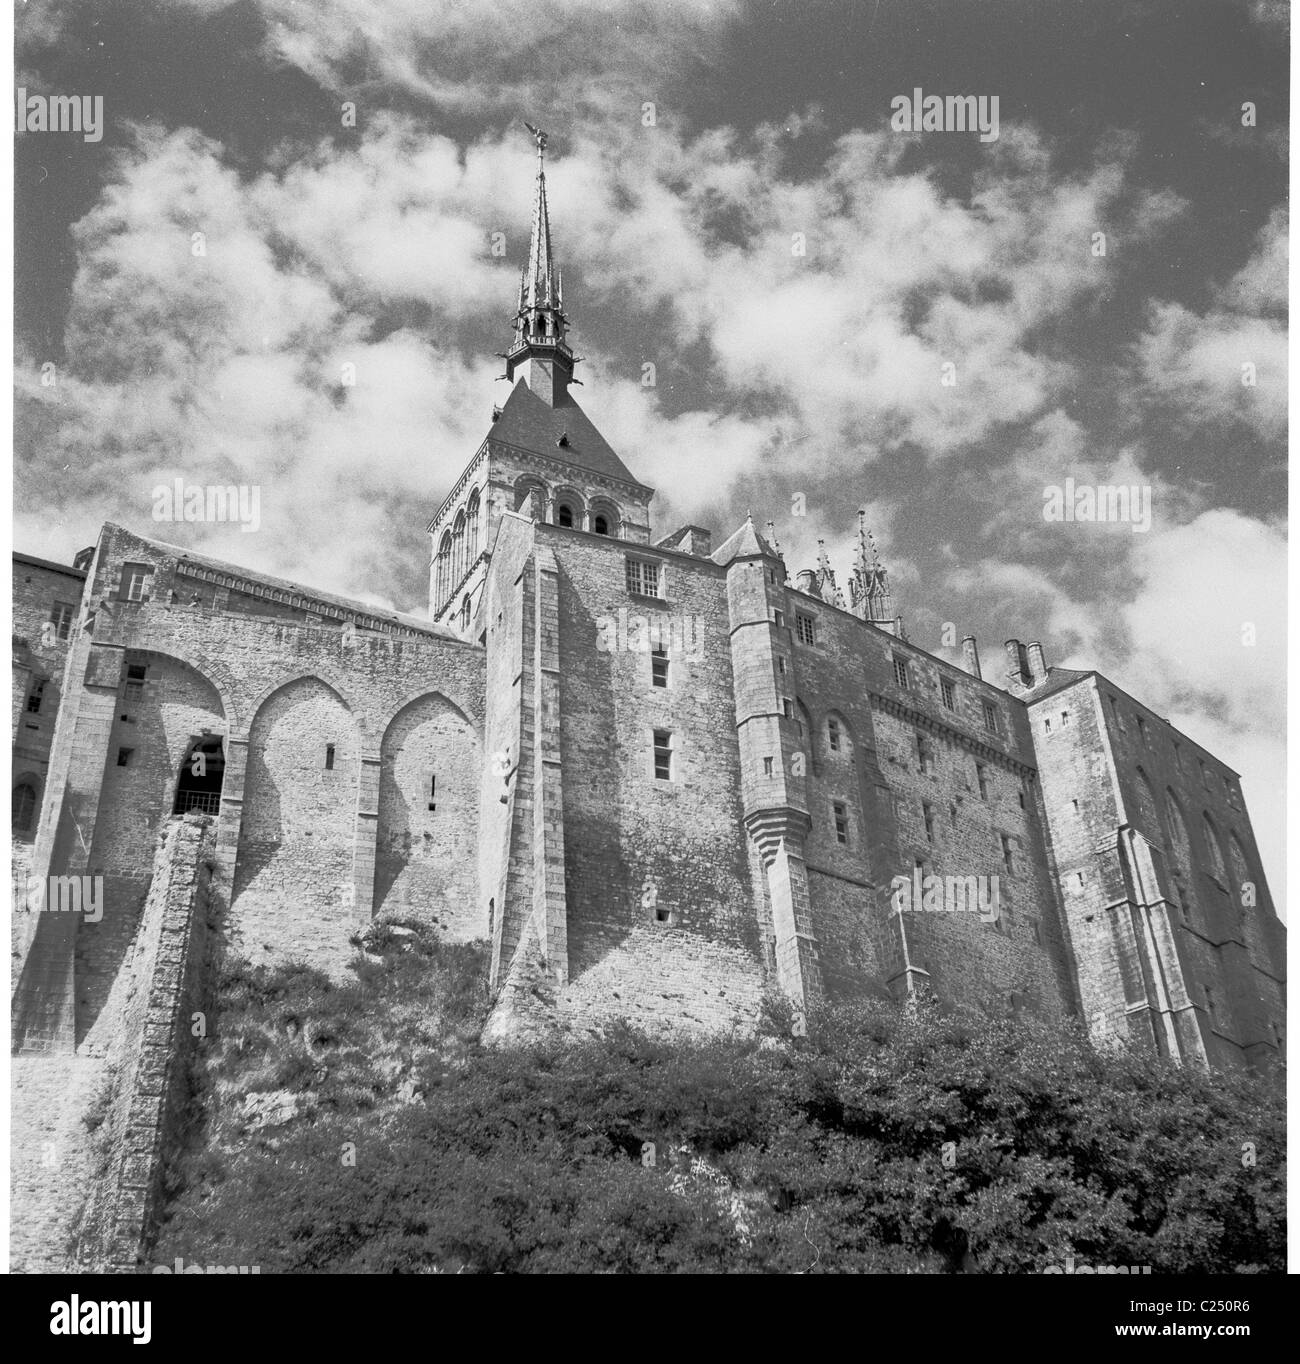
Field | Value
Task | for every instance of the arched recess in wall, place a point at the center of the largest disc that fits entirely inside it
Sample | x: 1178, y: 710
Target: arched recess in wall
x: 1180, y: 858
x: 1148, y: 811
x: 293, y: 887
x: 426, y: 850
x: 837, y: 753
x: 1213, y: 850
x: 163, y: 705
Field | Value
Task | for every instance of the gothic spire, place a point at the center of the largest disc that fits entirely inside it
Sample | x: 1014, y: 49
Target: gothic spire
x: 540, y: 323
x: 869, y: 585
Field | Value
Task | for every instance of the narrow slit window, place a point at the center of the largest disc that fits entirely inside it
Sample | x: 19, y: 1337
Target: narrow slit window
x: 433, y: 793
x: 948, y: 693
x: 659, y: 666
x: 329, y: 757
x: 900, y: 672
x: 663, y: 747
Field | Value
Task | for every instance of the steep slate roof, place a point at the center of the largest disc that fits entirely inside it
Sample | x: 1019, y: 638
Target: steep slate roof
x: 745, y: 543
x: 1058, y: 679
x: 531, y: 424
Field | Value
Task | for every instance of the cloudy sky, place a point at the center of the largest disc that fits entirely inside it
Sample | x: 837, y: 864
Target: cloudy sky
x: 732, y: 206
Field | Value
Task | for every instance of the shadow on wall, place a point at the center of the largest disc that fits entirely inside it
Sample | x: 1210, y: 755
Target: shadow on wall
x: 427, y: 836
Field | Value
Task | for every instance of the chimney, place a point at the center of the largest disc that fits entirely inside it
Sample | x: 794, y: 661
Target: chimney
x: 1017, y: 664
x: 971, y: 656
x: 1037, y: 664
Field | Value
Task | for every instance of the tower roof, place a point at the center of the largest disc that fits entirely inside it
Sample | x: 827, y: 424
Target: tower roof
x: 746, y: 543
x: 563, y: 432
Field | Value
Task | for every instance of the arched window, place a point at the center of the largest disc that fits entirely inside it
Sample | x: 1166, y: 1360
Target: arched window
x: 564, y: 517
x: 443, y: 575
x: 1240, y: 867
x: 1214, y: 849
x: 458, y: 547
x: 465, y: 613
x: 605, y: 518
x: 1148, y: 817
x: 1179, y: 845
x: 202, y: 772
x: 24, y: 808
x: 471, y: 526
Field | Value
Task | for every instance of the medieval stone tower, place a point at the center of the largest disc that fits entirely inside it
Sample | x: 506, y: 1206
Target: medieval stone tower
x: 660, y: 778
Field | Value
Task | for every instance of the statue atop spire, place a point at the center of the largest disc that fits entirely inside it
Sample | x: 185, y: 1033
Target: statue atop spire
x: 540, y: 323
x: 869, y: 585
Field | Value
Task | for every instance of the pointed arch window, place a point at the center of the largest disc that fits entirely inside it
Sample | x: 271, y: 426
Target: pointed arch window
x: 1214, y: 849
x: 471, y: 527
x: 23, y: 812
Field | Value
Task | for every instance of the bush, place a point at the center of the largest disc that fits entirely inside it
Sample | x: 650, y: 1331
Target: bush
x: 886, y: 1140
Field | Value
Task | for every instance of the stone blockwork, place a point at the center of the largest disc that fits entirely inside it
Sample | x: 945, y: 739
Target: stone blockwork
x: 1174, y: 933
x: 92, y: 1130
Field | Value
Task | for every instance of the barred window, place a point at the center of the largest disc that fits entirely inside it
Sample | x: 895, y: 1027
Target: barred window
x: 900, y: 672
x: 805, y: 628
x: 948, y: 693
x: 990, y: 717
x: 833, y: 734
x: 841, y: 812
x: 643, y: 577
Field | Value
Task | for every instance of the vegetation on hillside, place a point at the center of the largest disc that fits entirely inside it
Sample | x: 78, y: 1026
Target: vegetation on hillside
x: 362, y: 1128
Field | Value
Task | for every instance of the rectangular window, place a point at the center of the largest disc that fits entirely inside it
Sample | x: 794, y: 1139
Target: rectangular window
x: 982, y: 777
x: 900, y: 672
x: 124, y: 756
x: 643, y: 577
x: 948, y: 692
x: 1065, y: 718
x: 1075, y: 804
x: 778, y: 618
x: 928, y: 812
x: 990, y: 717
x: 767, y: 767
x: 1008, y: 856
x: 833, y: 735
x: 1021, y: 794
x: 329, y: 757
x: 34, y: 698
x: 135, y: 578
x: 841, y: 812
x: 61, y: 614
x: 134, y: 692
x: 924, y: 756
x: 787, y: 707
x: 659, y: 666
x: 1047, y: 724
x: 805, y: 628
x: 780, y: 664
x: 663, y: 755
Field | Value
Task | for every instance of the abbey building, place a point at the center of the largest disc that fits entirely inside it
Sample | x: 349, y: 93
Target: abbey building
x: 660, y: 775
